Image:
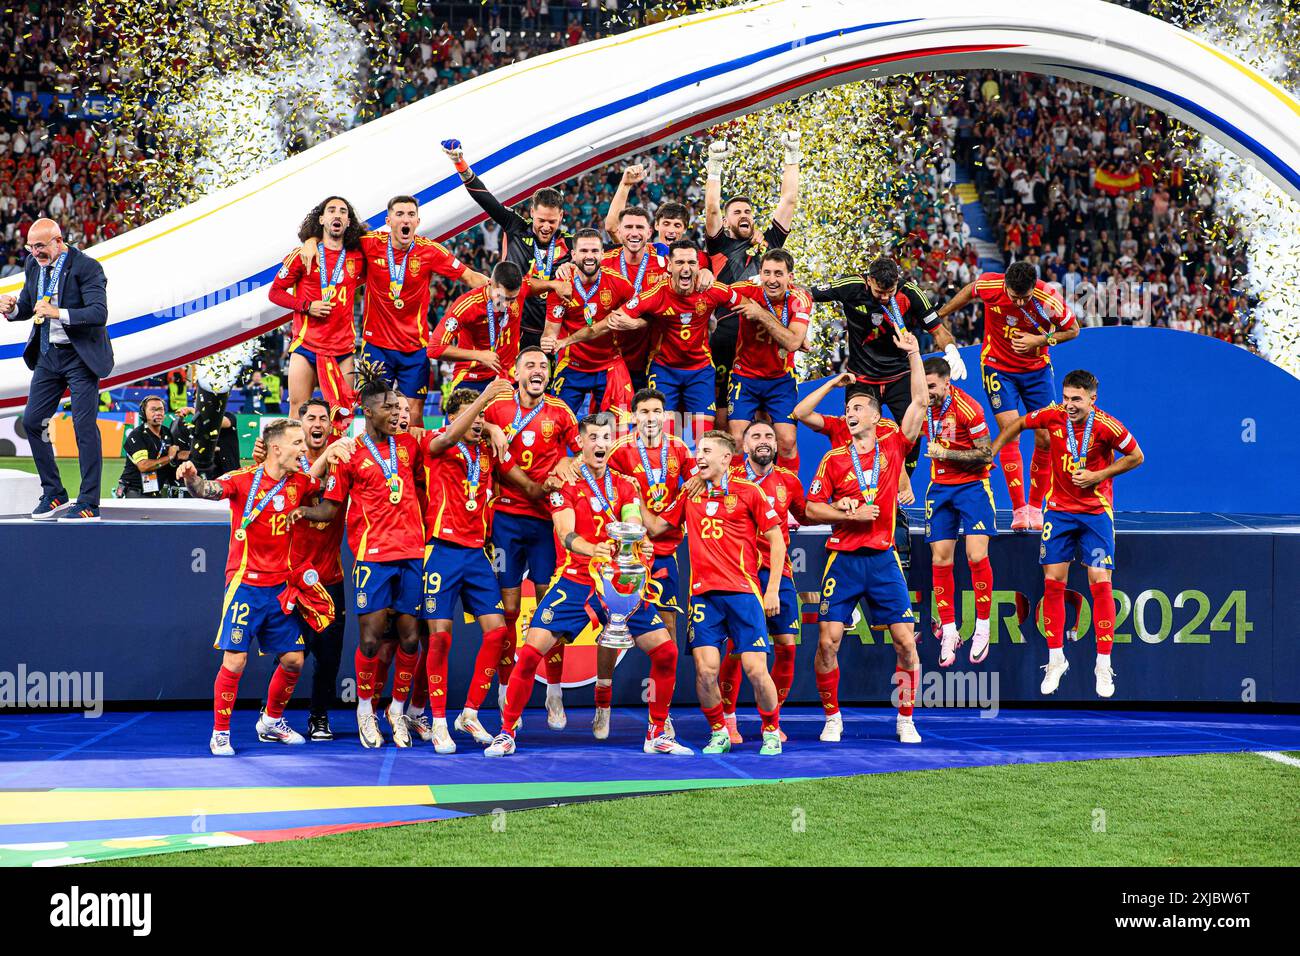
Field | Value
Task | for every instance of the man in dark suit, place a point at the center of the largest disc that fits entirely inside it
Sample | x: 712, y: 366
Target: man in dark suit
x: 65, y: 295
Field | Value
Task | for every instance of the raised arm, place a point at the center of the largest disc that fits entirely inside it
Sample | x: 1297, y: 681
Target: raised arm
x: 719, y: 152
x: 632, y: 175
x: 788, y: 204
x: 457, y: 429
x: 506, y: 218
x: 806, y: 410
x: 1007, y: 435
x: 914, y: 417
x: 959, y: 301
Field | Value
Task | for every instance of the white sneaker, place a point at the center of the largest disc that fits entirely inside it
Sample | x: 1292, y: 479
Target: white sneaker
x: 442, y: 742
x: 668, y: 728
x: 220, y: 744
x: 1052, y: 676
x: 419, y: 725
x: 951, y: 640
x: 979, y: 645
x: 468, y: 723
x: 600, y: 724
x: 906, y: 730
x: 833, y: 729
x: 503, y: 745
x: 663, y: 744
x: 501, y: 705
x: 556, y: 719
x: 397, y: 720
x: 1105, y: 675
x: 278, y: 731
x: 368, y: 731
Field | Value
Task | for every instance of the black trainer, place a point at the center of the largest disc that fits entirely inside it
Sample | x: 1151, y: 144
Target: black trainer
x: 318, y: 728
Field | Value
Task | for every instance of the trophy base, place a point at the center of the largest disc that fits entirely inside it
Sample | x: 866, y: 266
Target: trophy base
x: 615, y: 640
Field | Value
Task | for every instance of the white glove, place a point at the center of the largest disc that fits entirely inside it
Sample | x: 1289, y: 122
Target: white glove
x: 955, y: 363
x: 719, y: 152
x: 790, y: 140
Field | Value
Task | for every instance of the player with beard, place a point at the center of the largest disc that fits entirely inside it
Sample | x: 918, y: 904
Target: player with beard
x: 1017, y: 370
x: 726, y: 518
x: 785, y: 494
x: 541, y: 431
x: 659, y: 463
x: 1088, y: 450
x: 773, y: 322
x: 590, y: 362
x: 536, y: 244
x: 264, y: 502
x: 853, y: 492
x: 320, y: 291
x: 581, y: 509
x: 677, y: 311
x: 380, y: 483
x: 461, y: 469
x: 734, y: 247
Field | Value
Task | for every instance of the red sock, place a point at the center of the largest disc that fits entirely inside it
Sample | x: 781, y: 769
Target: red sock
x: 419, y: 698
x: 771, y: 720
x: 604, y: 693
x: 714, y: 716
x: 224, y: 691
x: 981, y: 573
x: 277, y: 695
x: 791, y: 463
x: 663, y: 681
x: 381, y: 676
x: 828, y: 686
x: 555, y: 665
x: 783, y: 670
x: 506, y: 665
x: 1040, y: 476
x: 404, y: 671
x: 366, y: 668
x: 729, y: 682
x: 520, y: 688
x: 1054, y: 613
x: 436, y: 667
x: 944, y: 589
x: 905, y: 681
x: 1012, y: 468
x: 485, y: 668
x: 1103, y: 615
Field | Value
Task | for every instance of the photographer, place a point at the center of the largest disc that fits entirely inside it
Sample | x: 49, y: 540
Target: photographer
x: 152, y: 453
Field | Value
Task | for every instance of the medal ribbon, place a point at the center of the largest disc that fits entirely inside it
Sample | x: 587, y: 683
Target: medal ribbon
x: 396, y: 273
x: 253, y: 507
x: 868, y: 490
x: 521, y: 421
x: 43, y: 291
x: 656, y: 477
x: 1038, y: 307
x: 1080, y: 456
x: 723, y: 486
x: 784, y: 317
x: 585, y: 296
x: 931, y: 426
x: 548, y: 258
x: 337, y: 277
x: 389, y: 464
x: 752, y: 475
x: 640, y: 272
x: 472, y: 468
x: 491, y: 320
x: 605, y: 500
x: 893, y: 314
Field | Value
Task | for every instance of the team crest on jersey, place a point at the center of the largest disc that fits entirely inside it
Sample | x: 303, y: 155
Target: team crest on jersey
x: 547, y: 615
x: 701, y: 308
x: 730, y: 502
x: 606, y: 298
x: 293, y: 495
x: 278, y: 502
x: 995, y: 400
x: 416, y: 265
x: 431, y: 604
x: 826, y: 607
x: 711, y: 508
x: 557, y: 499
x: 403, y: 456
x: 236, y: 635
x: 362, y: 600
x: 352, y: 267
x: 780, y: 493
x: 673, y: 466
x: 452, y: 325
x: 528, y: 438
x: 548, y: 429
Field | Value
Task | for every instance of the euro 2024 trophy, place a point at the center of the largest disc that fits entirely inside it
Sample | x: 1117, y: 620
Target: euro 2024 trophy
x: 620, y: 583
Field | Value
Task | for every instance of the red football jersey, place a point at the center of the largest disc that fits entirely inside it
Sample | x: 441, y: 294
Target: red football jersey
x: 262, y: 558
x: 296, y: 288
x: 319, y: 544
x: 723, y: 529
x: 680, y: 323
x: 1002, y: 317
x: 589, y: 518
x: 956, y: 426
x: 785, y: 494
x: 536, y: 447
x: 837, y: 479
x: 379, y: 530
x: 596, y: 355
x: 757, y: 354
x: 635, y: 346
x: 1109, y: 437
x: 383, y: 324
x: 673, y: 460
x: 446, y: 480
x: 465, y: 325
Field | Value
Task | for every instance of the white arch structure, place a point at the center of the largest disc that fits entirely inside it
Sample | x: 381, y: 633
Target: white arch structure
x: 195, y: 280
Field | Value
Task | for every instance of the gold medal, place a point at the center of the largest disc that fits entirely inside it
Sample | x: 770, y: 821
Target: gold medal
x: 657, y: 505
x: 40, y: 319
x: 327, y: 294
x: 471, y: 505
x: 240, y: 534
x: 395, y: 490
x: 398, y: 303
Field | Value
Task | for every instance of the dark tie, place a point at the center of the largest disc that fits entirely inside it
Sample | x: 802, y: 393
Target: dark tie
x: 44, y: 326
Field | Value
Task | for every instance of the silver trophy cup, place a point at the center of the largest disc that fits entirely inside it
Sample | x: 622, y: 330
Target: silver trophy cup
x: 620, y: 584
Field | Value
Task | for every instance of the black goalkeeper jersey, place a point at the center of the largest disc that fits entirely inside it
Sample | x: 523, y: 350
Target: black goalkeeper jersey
x: 873, y: 356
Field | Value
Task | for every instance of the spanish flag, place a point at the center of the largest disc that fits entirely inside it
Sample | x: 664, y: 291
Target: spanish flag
x: 1112, y: 182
